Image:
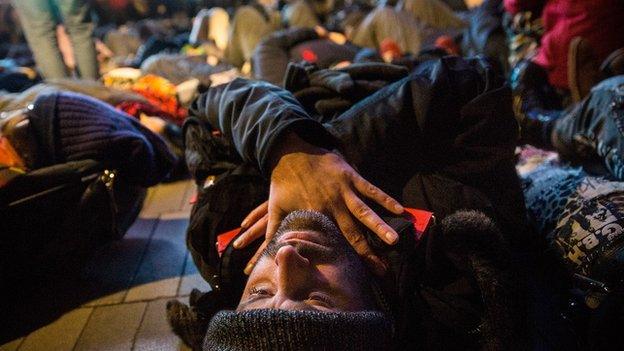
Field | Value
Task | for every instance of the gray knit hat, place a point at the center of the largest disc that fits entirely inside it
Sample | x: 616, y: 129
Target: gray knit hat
x: 273, y: 329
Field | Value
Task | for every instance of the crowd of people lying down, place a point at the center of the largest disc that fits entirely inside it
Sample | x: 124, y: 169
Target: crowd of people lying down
x: 371, y: 175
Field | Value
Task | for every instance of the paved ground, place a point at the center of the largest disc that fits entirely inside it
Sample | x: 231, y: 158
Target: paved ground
x: 118, y: 302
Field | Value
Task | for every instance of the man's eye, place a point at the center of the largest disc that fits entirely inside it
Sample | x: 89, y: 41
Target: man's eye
x: 259, y: 292
x: 324, y: 300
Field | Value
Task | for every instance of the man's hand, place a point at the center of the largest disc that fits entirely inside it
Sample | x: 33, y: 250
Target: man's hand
x: 309, y: 177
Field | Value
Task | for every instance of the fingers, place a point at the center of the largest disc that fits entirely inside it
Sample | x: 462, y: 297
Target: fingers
x: 370, y: 219
x: 256, y: 231
x: 358, y: 242
x: 255, y: 215
x: 376, y: 194
x: 275, y: 218
x: 255, y: 257
x: 257, y: 219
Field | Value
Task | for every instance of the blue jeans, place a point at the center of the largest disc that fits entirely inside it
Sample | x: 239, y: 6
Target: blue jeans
x: 39, y: 21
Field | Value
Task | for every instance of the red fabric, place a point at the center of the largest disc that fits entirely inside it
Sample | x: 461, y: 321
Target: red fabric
x: 118, y: 4
x: 309, y: 56
x: 11, y: 164
x: 390, y: 46
x: 135, y: 109
x: 598, y: 21
x: 447, y: 44
x: 420, y: 219
x: 224, y: 239
x: 8, y: 156
x: 161, y: 93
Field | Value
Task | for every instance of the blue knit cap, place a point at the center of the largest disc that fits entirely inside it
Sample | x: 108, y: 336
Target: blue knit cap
x: 73, y: 127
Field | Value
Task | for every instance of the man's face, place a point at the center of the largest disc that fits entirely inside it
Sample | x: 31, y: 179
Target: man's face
x: 308, y: 265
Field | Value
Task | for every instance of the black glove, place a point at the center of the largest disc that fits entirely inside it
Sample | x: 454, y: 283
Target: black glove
x: 328, y: 93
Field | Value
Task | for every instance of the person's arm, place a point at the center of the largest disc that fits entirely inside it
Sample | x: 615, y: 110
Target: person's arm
x: 271, y: 57
x: 254, y: 116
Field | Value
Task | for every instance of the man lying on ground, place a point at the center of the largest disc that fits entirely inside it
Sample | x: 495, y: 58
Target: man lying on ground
x: 440, y: 141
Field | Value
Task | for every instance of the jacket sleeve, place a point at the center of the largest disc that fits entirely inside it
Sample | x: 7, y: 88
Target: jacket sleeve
x: 254, y: 116
x: 273, y: 53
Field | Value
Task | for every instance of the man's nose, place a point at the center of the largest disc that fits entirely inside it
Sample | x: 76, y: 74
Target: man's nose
x: 293, y: 271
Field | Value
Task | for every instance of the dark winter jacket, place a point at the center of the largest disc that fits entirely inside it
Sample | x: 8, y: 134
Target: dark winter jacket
x: 440, y: 140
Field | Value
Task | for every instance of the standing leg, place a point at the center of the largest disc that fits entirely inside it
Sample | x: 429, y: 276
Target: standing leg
x: 199, y: 32
x: 387, y: 23
x: 77, y: 19
x: 219, y: 26
x: 39, y: 26
x: 248, y: 28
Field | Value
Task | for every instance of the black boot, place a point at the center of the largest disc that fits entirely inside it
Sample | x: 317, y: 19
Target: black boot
x: 190, y: 323
x: 536, y: 104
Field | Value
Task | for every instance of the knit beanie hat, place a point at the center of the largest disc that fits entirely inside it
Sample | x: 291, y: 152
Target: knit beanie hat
x: 273, y: 329
x: 73, y: 127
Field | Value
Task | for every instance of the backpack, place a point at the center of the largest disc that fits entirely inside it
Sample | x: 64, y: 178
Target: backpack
x: 52, y: 218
